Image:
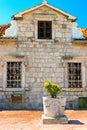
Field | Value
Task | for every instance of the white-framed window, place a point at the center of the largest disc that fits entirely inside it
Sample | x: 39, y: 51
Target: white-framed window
x: 46, y: 30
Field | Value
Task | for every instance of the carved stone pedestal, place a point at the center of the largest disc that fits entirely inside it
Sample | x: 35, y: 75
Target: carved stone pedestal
x: 55, y: 120
x: 54, y: 110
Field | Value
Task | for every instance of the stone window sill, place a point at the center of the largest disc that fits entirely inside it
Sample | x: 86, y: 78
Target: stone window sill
x: 13, y: 89
x: 44, y: 40
x: 74, y: 89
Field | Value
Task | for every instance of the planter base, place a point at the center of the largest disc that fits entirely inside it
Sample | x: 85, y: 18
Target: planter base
x: 58, y: 120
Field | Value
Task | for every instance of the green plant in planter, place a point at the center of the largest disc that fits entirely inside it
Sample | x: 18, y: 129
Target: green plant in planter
x: 52, y: 89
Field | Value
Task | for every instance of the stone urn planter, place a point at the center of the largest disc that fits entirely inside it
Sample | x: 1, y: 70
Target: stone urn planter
x: 54, y: 105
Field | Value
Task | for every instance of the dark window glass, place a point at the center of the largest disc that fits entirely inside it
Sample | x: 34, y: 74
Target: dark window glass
x: 44, y: 30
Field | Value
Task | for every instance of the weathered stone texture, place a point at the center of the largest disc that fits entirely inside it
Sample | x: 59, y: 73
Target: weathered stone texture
x: 42, y: 60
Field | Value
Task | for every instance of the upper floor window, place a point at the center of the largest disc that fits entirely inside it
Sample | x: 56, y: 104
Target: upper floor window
x: 14, y: 74
x: 44, y: 29
x: 74, y: 75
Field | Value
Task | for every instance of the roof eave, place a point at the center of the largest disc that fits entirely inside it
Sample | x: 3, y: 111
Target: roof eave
x: 80, y: 41
x: 8, y: 39
x: 20, y: 14
x: 72, y: 18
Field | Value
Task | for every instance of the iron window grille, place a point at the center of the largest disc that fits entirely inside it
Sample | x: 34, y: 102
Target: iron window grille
x: 74, y: 75
x: 14, y: 74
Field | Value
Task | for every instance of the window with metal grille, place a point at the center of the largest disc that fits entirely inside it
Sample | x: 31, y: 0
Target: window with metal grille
x: 44, y: 29
x: 74, y: 75
x: 14, y: 74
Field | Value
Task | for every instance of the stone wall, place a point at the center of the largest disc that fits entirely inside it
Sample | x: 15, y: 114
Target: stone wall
x: 44, y: 57
x: 42, y: 60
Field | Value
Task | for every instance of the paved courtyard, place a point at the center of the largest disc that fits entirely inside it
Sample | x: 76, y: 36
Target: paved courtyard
x: 31, y: 120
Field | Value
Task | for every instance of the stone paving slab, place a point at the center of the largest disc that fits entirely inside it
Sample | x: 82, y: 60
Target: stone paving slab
x: 31, y: 120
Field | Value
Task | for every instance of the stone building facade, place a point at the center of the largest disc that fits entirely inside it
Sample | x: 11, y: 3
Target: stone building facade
x: 42, y: 45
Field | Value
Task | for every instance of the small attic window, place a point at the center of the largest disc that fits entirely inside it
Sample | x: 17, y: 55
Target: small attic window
x: 64, y: 26
x: 44, y: 29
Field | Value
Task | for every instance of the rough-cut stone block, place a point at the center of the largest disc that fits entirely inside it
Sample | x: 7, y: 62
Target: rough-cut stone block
x: 56, y: 120
x: 29, y: 34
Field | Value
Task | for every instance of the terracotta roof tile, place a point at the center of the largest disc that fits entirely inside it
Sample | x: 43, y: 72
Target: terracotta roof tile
x: 3, y: 28
x: 84, y: 31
